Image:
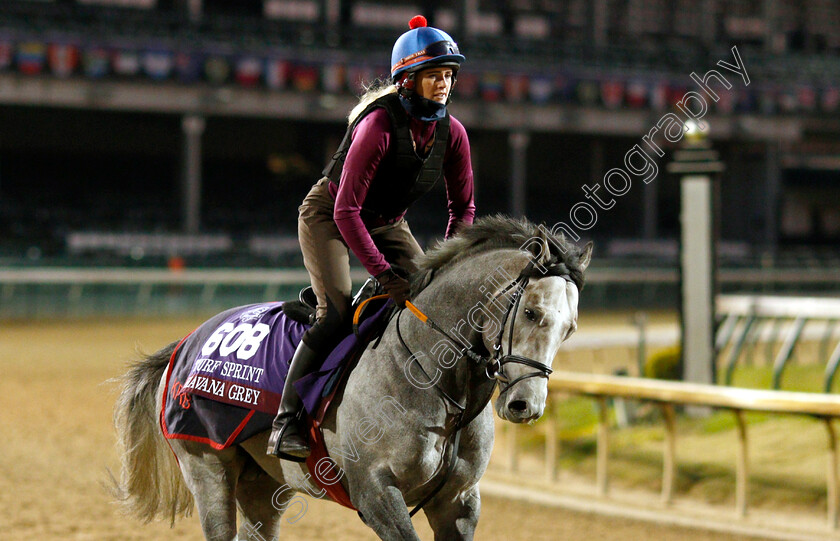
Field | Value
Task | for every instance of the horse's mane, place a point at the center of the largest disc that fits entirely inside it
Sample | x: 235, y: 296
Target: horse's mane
x: 553, y: 252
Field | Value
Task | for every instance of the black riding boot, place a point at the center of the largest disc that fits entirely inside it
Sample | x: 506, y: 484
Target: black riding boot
x: 287, y: 439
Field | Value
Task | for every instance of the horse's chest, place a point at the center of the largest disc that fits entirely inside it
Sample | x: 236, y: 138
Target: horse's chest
x: 420, y: 460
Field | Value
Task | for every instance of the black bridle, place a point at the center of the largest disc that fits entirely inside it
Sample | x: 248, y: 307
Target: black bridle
x: 498, y: 361
x: 493, y: 365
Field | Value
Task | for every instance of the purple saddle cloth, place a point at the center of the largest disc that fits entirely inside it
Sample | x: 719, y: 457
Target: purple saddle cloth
x: 225, y: 379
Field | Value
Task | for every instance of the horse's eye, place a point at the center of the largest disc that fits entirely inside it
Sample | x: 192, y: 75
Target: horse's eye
x: 530, y: 315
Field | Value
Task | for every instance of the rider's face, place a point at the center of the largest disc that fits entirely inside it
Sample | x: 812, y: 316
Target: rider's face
x: 434, y: 83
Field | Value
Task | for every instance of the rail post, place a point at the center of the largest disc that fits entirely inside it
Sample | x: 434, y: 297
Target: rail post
x: 831, y: 475
x: 742, y: 467
x: 512, y: 434
x: 787, y: 349
x: 551, y: 443
x: 603, y: 451
x: 735, y: 352
x: 831, y: 368
x: 669, y: 463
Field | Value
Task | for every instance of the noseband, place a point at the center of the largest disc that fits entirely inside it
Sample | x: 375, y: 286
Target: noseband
x: 495, y: 365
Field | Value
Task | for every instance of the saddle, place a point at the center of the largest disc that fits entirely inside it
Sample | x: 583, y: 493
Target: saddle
x: 303, y: 309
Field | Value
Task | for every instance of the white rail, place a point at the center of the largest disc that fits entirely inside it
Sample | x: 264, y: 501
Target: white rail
x: 780, y: 306
x: 236, y: 276
x: 77, y: 279
x: 121, y: 275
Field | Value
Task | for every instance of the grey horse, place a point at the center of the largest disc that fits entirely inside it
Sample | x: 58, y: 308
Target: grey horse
x: 500, y: 298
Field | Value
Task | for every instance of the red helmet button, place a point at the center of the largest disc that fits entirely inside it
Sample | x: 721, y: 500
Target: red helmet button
x: 417, y: 21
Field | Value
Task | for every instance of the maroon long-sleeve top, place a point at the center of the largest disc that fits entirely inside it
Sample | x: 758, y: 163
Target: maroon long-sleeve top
x: 371, y: 141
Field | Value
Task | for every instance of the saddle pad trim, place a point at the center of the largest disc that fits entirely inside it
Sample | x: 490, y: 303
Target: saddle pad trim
x: 168, y: 436
x: 335, y: 490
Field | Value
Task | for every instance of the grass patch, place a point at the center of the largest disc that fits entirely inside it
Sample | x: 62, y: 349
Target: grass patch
x: 795, y: 377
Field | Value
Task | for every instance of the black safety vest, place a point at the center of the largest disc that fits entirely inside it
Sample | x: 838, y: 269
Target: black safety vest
x: 403, y: 175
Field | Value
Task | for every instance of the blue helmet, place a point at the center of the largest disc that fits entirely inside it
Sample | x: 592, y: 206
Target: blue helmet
x: 423, y: 46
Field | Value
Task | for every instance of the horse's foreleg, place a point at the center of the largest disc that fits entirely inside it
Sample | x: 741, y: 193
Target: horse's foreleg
x: 383, y: 509
x: 454, y: 517
x: 212, y: 477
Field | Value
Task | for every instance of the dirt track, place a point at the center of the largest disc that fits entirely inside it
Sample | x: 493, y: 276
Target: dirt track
x: 55, y: 417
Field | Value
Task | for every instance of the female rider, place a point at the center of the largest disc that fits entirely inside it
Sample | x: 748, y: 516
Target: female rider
x: 399, y: 142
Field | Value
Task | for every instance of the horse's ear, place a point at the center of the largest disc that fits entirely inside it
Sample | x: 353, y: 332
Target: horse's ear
x: 585, y: 256
x: 545, y: 258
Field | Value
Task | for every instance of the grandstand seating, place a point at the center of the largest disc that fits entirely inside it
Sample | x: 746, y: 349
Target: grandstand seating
x: 642, y: 50
x: 633, y: 44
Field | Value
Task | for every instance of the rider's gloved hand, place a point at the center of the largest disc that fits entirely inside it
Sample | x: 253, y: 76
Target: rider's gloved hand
x: 396, y: 286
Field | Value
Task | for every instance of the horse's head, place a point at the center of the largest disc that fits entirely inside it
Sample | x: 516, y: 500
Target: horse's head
x: 543, y: 318
x: 527, y: 280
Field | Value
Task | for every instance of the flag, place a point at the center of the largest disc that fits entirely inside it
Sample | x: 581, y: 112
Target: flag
x: 637, y: 92
x: 305, y: 78
x: 807, y: 97
x: 7, y: 53
x: 659, y: 95
x: 830, y: 99
x: 540, y: 89
x: 30, y: 57
x: 217, y: 69
x: 491, y: 86
x: 332, y: 76
x: 63, y: 59
x: 612, y: 93
x: 95, y: 62
x: 516, y: 87
x: 188, y: 66
x: 726, y: 104
x: 466, y: 85
x: 158, y: 64
x: 587, y: 92
x: 126, y: 62
x: 276, y: 73
x: 565, y: 88
x: 675, y: 92
x: 787, y: 101
x: 248, y: 71
x: 746, y: 101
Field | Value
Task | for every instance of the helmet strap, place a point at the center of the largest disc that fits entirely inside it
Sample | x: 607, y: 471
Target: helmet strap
x: 406, y: 84
x: 452, y: 86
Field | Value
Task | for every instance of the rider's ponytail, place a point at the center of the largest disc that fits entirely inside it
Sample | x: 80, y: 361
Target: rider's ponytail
x: 373, y: 92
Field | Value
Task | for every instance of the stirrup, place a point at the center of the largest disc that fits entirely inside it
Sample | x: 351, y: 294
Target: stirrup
x: 370, y: 288
x: 275, y: 439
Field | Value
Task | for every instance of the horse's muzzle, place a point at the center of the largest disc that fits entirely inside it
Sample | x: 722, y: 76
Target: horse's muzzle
x: 520, y: 411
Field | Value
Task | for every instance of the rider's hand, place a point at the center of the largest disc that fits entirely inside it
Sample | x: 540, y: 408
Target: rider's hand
x: 396, y: 286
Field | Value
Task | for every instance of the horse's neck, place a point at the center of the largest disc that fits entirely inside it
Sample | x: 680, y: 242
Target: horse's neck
x: 460, y: 295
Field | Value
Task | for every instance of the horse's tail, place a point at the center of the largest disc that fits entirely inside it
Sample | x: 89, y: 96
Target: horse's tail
x: 150, y: 484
